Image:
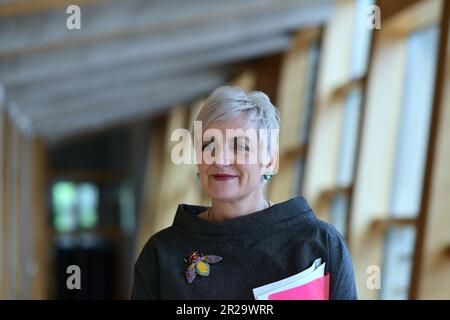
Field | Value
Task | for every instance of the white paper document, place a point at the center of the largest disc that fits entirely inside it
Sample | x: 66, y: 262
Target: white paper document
x: 315, y: 271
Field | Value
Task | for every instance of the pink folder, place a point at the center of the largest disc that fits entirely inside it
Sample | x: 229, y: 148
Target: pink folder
x: 318, y: 289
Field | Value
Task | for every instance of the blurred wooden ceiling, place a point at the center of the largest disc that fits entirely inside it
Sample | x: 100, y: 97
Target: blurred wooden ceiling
x: 132, y: 58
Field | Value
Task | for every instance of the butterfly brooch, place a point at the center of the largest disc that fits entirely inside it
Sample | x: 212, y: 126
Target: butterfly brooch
x: 198, y: 263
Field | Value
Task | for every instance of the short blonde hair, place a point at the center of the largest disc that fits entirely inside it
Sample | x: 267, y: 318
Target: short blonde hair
x: 228, y: 102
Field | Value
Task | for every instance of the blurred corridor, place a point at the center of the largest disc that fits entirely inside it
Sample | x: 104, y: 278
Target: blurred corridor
x: 90, y: 95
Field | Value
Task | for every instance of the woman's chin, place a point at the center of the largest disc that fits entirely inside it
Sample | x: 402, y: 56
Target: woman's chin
x: 224, y: 194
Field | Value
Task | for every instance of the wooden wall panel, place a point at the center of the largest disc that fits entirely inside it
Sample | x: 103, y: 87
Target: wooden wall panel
x: 151, y: 187
x: 373, y: 183
x: 292, y: 87
x: 3, y: 203
x: 431, y: 275
x: 41, y: 234
x: 334, y: 71
x: 374, y: 177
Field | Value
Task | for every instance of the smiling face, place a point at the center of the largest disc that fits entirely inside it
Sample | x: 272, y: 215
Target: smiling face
x: 227, y: 177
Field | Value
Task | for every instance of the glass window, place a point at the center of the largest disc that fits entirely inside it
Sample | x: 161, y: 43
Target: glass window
x: 349, y: 138
x: 306, y: 115
x: 414, y: 123
x: 410, y: 156
x: 398, y: 254
x: 351, y: 116
x: 74, y: 206
x: 361, y: 39
x: 338, y: 212
x: 310, y: 88
x: 87, y: 205
x: 346, y: 158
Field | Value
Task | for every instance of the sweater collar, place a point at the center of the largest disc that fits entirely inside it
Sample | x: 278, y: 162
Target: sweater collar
x: 187, y: 217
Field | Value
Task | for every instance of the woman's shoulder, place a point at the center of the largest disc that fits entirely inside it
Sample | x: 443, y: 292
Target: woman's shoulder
x: 328, y: 228
x: 160, y: 237
x: 332, y: 238
x: 313, y: 226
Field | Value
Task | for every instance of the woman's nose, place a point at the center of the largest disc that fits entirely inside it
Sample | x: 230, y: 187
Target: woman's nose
x: 223, y: 156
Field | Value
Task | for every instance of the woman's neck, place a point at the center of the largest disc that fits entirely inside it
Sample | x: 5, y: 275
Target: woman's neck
x: 222, y: 210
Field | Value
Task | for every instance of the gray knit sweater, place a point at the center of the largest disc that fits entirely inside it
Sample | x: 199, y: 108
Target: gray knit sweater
x: 257, y: 249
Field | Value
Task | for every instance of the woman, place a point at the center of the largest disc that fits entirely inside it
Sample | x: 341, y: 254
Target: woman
x: 243, y: 241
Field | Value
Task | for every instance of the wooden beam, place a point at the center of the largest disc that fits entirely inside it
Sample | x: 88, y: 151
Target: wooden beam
x: 293, y: 87
x: 171, y: 185
x: 268, y: 72
x: 296, y: 88
x: 41, y: 234
x: 150, y: 89
x: 342, y: 91
x: 381, y: 225
x: 417, y: 15
x: 430, y: 277
x: 371, y: 194
x: 295, y: 152
x: 196, y: 195
x: 46, y: 94
x: 7, y: 210
x: 25, y: 267
x: 108, y: 22
x: 390, y: 8
x: 153, y: 172
x: 334, y: 72
x: 328, y: 194
x: 26, y: 7
x: 29, y: 68
x: 174, y: 177
x: 3, y: 197
x: 13, y: 212
x: 110, y: 114
x: 376, y: 164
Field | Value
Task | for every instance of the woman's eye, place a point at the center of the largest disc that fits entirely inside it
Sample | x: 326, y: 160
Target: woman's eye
x: 241, y: 147
x: 208, y: 146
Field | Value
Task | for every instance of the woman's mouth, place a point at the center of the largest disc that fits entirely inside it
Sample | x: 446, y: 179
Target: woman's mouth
x: 223, y: 177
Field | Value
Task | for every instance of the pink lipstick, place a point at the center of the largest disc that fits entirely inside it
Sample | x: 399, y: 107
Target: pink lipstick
x: 223, y: 177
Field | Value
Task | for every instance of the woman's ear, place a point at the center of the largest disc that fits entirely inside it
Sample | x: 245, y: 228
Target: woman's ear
x: 271, y: 166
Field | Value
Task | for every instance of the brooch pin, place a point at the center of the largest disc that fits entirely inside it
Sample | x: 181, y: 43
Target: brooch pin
x: 198, y: 263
